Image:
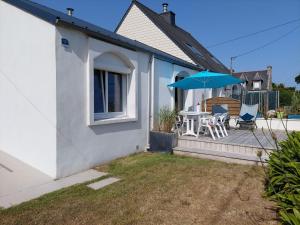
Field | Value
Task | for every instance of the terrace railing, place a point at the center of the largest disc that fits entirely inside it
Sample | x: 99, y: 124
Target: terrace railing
x: 266, y: 100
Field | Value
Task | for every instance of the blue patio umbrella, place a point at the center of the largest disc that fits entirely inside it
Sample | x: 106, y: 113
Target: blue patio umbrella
x: 206, y: 79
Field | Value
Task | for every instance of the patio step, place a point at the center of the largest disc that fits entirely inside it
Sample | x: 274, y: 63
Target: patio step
x: 220, y: 146
x: 218, y: 155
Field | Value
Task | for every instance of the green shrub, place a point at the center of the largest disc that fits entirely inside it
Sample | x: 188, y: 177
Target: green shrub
x: 295, y: 103
x: 283, y: 183
x: 167, y: 119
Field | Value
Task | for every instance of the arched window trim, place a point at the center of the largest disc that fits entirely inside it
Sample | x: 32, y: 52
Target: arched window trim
x: 114, y: 62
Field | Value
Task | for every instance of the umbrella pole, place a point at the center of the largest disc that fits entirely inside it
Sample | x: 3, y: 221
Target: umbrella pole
x: 205, y: 100
x: 204, y: 97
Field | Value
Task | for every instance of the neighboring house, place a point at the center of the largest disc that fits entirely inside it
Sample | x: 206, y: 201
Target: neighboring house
x: 255, y: 81
x: 74, y: 95
x: 160, y: 31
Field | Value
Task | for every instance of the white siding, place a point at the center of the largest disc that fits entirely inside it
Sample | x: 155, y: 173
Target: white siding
x: 27, y: 88
x: 164, y: 74
x: 138, y: 26
x: 81, y: 146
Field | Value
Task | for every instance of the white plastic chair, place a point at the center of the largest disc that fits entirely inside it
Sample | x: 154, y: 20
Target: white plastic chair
x: 219, y: 124
x: 209, y: 124
x: 222, y: 120
x: 178, y: 125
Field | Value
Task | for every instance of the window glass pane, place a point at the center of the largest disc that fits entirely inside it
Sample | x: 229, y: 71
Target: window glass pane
x: 115, y: 101
x: 256, y: 85
x: 99, y: 91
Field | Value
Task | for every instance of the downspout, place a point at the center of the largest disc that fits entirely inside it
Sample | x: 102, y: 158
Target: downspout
x: 150, y: 98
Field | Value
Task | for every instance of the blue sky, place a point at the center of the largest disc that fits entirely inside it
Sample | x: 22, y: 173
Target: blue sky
x: 214, y: 21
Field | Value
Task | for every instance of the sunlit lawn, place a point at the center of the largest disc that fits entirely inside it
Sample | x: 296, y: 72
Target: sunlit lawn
x: 157, y: 189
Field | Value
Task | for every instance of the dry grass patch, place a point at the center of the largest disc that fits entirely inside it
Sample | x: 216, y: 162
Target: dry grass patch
x: 157, y: 189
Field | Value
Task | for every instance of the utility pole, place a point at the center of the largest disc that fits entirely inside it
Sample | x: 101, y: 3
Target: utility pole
x: 231, y: 62
x: 231, y: 68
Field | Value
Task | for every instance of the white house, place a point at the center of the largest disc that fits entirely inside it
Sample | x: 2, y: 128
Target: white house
x: 160, y: 31
x: 74, y: 95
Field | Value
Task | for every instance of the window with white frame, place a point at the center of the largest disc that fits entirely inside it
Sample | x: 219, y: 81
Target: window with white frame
x: 256, y: 84
x: 110, y: 94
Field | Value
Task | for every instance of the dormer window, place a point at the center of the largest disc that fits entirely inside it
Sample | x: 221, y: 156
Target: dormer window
x: 257, y: 85
x: 257, y: 80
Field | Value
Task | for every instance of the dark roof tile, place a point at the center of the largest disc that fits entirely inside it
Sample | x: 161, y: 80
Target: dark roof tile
x: 56, y: 18
x: 257, y: 75
x: 185, y: 41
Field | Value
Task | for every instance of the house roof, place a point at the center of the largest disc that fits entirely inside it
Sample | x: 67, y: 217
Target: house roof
x: 59, y: 18
x: 184, y: 40
x: 258, y: 75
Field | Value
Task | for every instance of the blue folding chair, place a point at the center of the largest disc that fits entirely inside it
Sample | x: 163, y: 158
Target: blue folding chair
x: 248, y: 116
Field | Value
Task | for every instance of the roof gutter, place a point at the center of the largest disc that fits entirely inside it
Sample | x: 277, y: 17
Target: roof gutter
x: 130, y: 44
x: 93, y: 34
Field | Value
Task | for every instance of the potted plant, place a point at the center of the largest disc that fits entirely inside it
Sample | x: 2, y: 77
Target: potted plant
x: 280, y: 113
x: 164, y: 140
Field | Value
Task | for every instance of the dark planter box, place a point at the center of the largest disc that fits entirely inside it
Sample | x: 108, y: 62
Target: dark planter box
x: 162, y: 142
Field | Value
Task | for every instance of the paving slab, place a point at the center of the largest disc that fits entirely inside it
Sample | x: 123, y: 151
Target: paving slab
x: 20, y: 182
x: 15, y: 175
x: 103, y: 183
x: 39, y: 190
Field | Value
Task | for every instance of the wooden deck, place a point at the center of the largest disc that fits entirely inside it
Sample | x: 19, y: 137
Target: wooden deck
x: 239, y: 145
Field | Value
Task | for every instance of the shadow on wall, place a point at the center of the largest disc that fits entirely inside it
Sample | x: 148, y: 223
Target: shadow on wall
x: 117, y: 127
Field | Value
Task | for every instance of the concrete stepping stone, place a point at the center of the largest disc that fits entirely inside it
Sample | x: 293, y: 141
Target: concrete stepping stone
x: 103, y: 183
x: 39, y: 190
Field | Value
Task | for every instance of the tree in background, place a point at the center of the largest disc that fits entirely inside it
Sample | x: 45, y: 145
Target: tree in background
x: 297, y: 79
x: 285, y: 94
x: 289, y: 96
x: 295, y: 103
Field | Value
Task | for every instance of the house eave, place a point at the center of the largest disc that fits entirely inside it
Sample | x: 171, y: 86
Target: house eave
x: 58, y: 18
x: 136, y: 46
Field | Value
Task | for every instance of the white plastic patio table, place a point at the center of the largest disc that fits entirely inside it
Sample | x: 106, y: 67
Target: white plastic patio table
x: 190, y: 115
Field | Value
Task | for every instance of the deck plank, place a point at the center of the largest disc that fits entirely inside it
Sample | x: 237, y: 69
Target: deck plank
x: 243, y: 138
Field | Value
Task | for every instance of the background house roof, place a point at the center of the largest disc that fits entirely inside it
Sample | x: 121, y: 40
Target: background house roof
x: 184, y: 40
x: 259, y: 75
x: 59, y: 18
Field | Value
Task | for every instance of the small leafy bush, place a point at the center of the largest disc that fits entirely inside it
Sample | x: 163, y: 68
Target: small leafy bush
x: 295, y: 103
x: 167, y: 119
x: 283, y: 184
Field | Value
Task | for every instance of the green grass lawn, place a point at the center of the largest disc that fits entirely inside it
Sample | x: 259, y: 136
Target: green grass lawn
x: 157, y: 189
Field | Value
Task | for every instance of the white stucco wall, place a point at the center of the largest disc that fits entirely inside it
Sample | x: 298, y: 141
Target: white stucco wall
x: 81, y: 146
x: 27, y: 89
x: 164, y: 73
x: 278, y: 124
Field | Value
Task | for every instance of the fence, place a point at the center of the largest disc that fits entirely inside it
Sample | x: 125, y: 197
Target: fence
x: 266, y: 100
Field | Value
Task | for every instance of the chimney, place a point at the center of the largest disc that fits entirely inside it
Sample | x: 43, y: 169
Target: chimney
x: 169, y: 16
x: 165, y: 7
x: 70, y: 11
